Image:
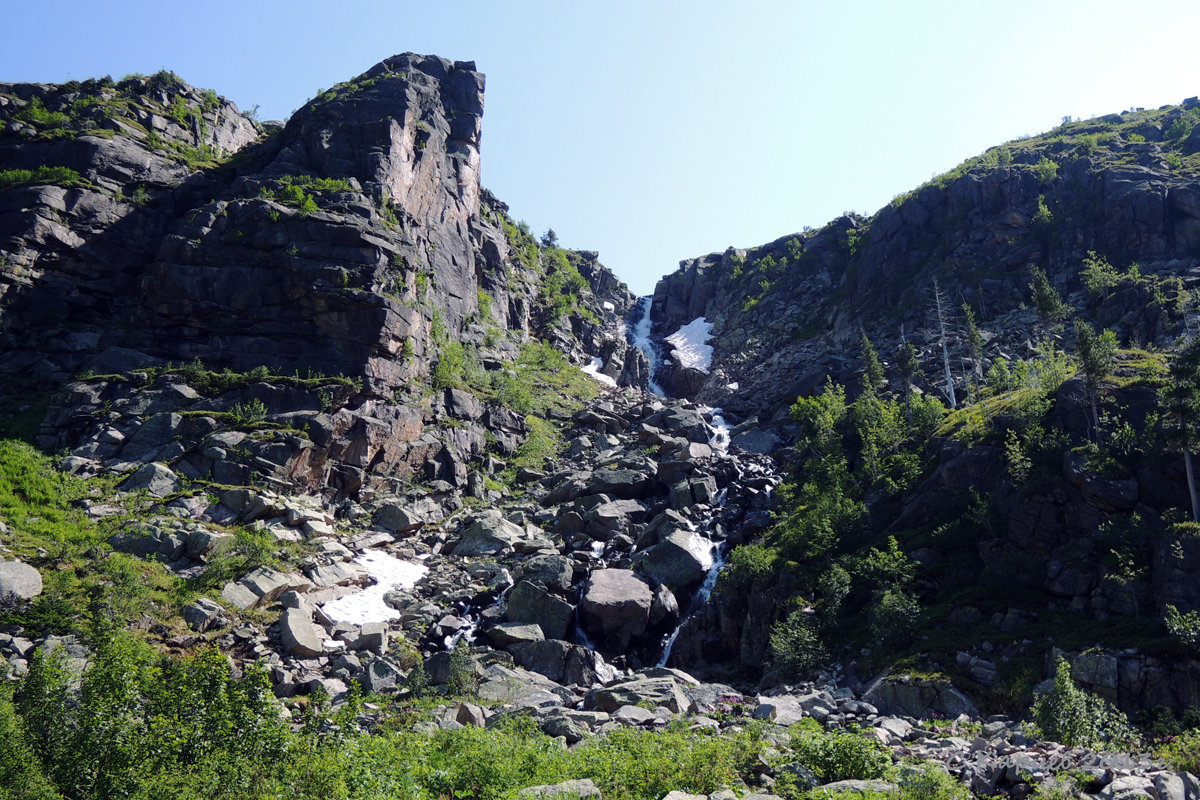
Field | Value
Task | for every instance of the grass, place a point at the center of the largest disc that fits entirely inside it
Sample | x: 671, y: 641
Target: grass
x: 210, y: 382
x: 82, y: 576
x: 42, y: 176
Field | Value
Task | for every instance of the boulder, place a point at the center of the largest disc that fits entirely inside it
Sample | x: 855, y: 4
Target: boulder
x: 921, y: 699
x: 268, y: 584
x: 201, y: 542
x: 782, y: 710
x: 301, y: 637
x: 623, y: 484
x: 547, y: 657
x: 381, y: 676
x: 655, y: 691
x: 530, y: 603
x: 202, y: 614
x: 398, y: 518
x: 616, y: 607
x: 634, y: 715
x: 489, y: 534
x: 156, y: 479
x: 553, y: 572
x: 567, y: 790
x: 608, y: 519
x: 238, y: 595
x: 20, y: 579
x: 507, y: 633
x: 680, y: 560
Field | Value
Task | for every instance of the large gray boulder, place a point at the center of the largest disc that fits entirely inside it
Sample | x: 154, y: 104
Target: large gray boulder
x: 300, y: 635
x: 530, y: 603
x: 905, y: 696
x: 567, y: 790
x: 156, y: 479
x: 546, y: 657
x: 553, y: 572
x: 20, y: 579
x: 656, y: 691
x: 615, y: 608
x: 488, y: 535
x: 680, y: 560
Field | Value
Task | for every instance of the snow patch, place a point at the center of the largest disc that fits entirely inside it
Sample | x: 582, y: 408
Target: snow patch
x: 593, y: 369
x: 367, y: 606
x: 689, y: 344
x: 733, y: 387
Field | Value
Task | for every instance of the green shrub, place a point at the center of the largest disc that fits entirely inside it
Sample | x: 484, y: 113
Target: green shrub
x: 36, y: 114
x: 1076, y: 718
x: 1046, y: 170
x: 41, y: 176
x: 842, y: 755
x: 930, y: 782
x: 1183, y: 626
x: 1097, y: 274
x: 461, y: 678
x: 450, y: 367
x: 796, y: 647
x: 1183, y: 752
x: 250, y: 412
x: 1178, y: 129
x: 1042, y: 217
x: 894, y: 616
x: 749, y: 565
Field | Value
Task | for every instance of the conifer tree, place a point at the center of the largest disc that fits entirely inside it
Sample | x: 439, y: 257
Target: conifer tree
x: 908, y: 364
x: 1046, y: 299
x: 873, y: 375
x: 1095, y: 353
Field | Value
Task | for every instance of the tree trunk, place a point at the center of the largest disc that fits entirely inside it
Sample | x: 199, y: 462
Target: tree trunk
x: 941, y: 315
x: 1187, y: 462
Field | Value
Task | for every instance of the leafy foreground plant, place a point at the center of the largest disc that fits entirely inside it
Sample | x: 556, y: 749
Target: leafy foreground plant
x: 1077, y: 718
x: 141, y: 725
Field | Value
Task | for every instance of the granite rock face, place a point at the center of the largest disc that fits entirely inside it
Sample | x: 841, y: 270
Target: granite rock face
x: 353, y: 241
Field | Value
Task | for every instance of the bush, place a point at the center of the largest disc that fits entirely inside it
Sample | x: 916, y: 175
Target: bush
x: 1097, y: 274
x: 796, y: 647
x: 894, y: 616
x: 1183, y: 626
x: 1183, y: 753
x: 842, y: 755
x: 249, y: 413
x: 461, y: 677
x: 450, y: 368
x: 1076, y: 718
x: 1046, y: 169
x: 749, y: 566
x: 41, y: 176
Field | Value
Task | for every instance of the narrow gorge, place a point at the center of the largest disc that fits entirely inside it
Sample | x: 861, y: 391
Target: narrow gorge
x: 307, y: 396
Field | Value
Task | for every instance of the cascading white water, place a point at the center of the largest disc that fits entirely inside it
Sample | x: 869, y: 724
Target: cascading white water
x: 719, y: 439
x: 640, y: 333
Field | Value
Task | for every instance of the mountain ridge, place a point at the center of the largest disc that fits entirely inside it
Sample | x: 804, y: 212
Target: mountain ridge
x: 284, y: 356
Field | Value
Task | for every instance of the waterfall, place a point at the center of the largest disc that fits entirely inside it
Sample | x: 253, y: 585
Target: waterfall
x: 639, y: 333
x: 719, y: 439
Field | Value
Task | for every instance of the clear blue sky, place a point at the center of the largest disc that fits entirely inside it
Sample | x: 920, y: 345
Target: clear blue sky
x: 657, y: 131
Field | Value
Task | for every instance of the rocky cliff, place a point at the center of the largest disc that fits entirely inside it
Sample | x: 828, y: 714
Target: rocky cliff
x: 1025, y: 504
x: 788, y: 313
x: 343, y: 417
x: 146, y: 222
